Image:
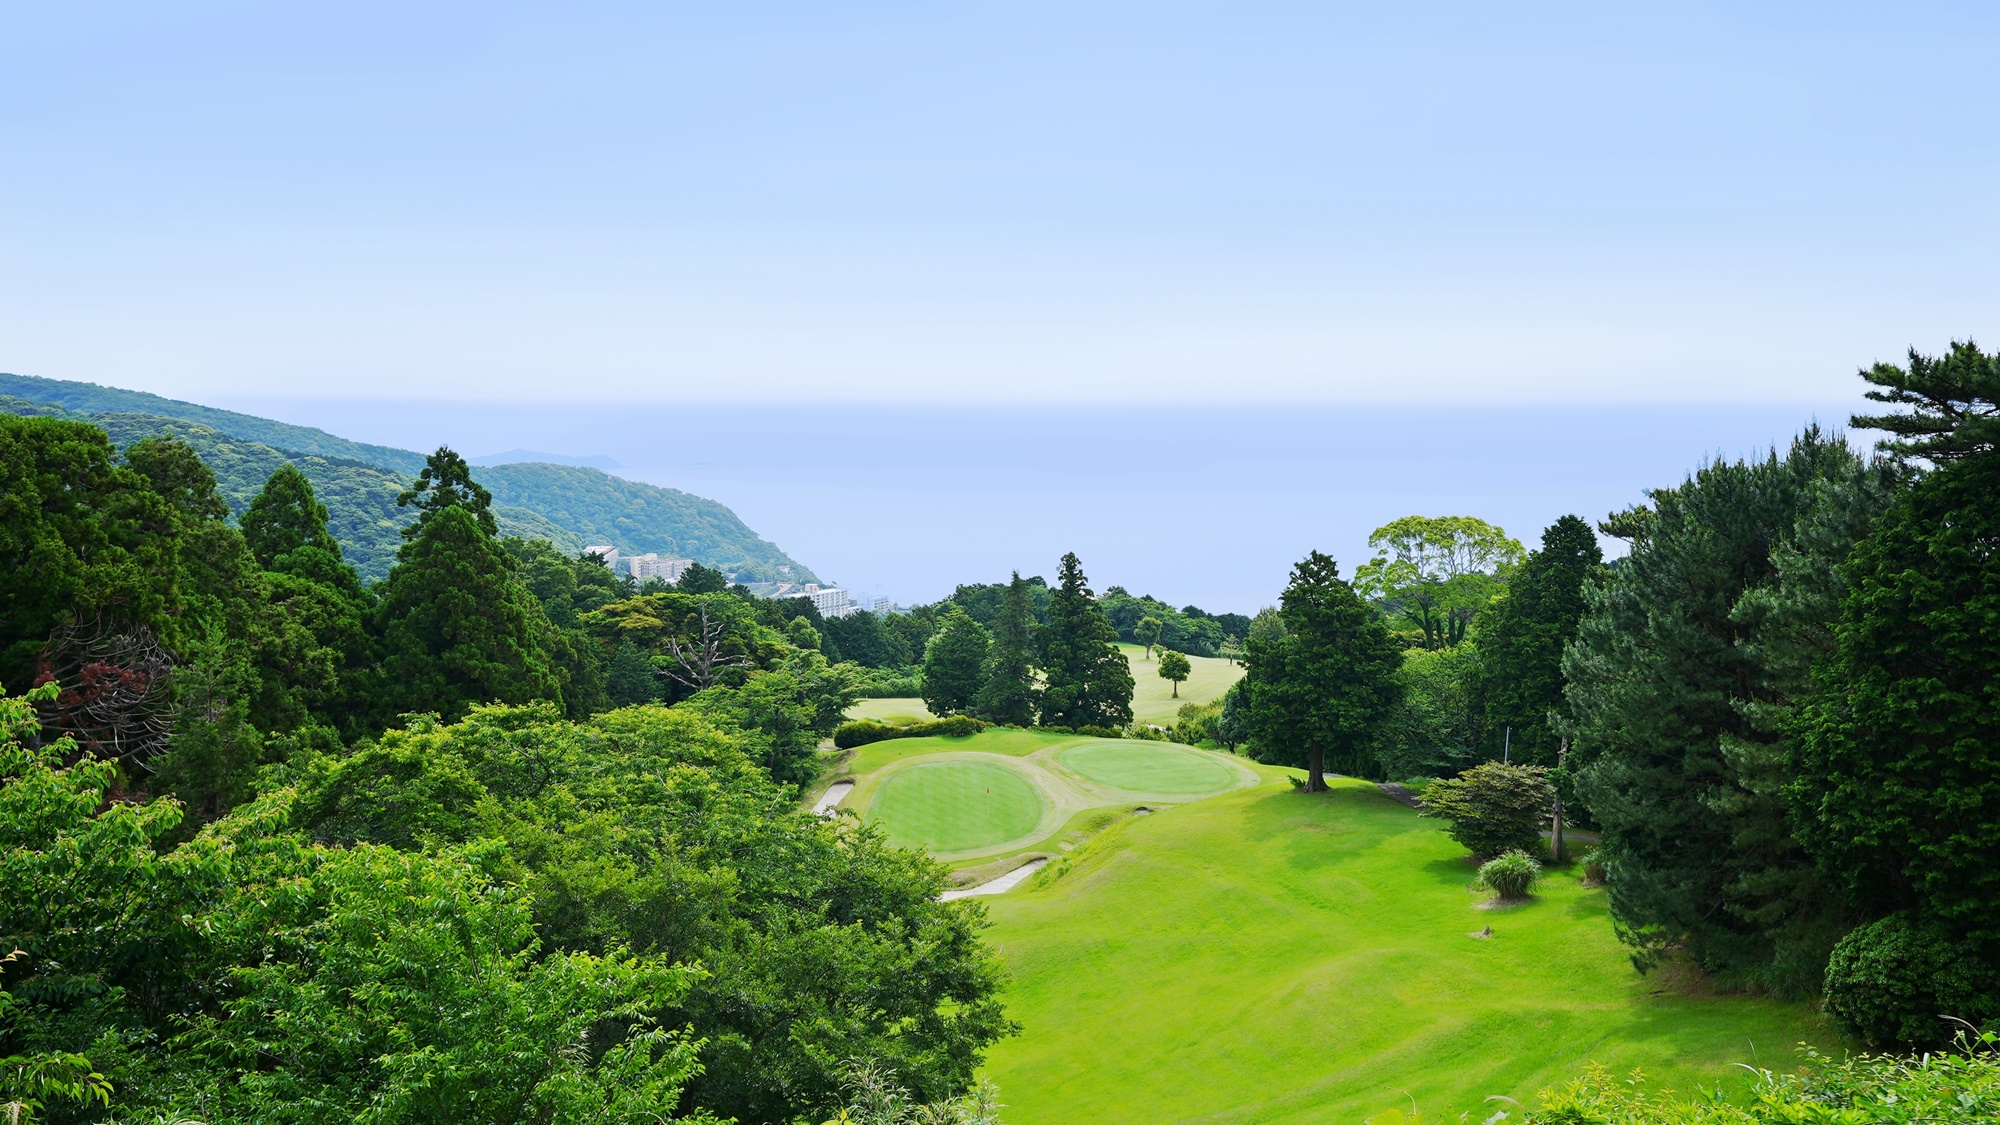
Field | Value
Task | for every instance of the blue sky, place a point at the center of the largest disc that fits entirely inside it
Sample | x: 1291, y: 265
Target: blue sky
x: 1424, y: 204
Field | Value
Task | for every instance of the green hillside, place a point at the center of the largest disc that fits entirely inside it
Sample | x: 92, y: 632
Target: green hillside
x: 92, y: 399
x: 570, y: 506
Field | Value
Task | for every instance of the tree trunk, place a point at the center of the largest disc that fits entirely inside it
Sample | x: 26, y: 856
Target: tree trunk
x: 1315, y: 770
x: 1177, y: 688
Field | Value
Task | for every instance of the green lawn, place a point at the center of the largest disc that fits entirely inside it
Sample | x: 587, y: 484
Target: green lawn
x: 953, y: 806
x: 889, y: 710
x: 1266, y: 956
x: 1149, y: 767
x: 1152, y: 697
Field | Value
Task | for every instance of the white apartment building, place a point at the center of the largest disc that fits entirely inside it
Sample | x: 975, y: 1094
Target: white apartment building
x: 651, y: 565
x: 830, y: 601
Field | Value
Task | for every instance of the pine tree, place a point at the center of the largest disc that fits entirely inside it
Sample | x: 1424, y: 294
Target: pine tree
x: 1320, y: 689
x: 1089, y: 680
x: 1955, y: 400
x: 1668, y: 683
x: 1007, y: 693
x: 953, y: 663
x: 1521, y: 640
x: 457, y: 628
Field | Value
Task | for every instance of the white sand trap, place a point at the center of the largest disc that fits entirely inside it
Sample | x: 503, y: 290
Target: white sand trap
x: 835, y: 793
x: 1001, y: 885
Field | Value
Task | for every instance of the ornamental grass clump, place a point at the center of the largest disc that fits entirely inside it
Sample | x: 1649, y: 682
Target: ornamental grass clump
x: 1510, y: 876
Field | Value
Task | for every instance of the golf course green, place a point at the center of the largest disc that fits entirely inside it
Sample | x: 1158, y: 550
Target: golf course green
x: 1149, y: 767
x: 1008, y: 791
x: 955, y: 806
x: 1273, y: 957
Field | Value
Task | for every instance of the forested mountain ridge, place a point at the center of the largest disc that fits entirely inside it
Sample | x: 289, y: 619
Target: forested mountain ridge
x: 89, y: 398
x: 570, y: 506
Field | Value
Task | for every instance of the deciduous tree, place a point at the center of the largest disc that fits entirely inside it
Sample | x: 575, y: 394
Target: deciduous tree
x: 1175, y: 667
x: 954, y: 664
x: 1439, y: 572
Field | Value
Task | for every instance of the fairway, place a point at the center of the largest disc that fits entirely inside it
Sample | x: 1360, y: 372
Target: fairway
x: 890, y: 710
x: 1153, y: 698
x: 955, y: 806
x: 1149, y: 767
x: 1271, y: 957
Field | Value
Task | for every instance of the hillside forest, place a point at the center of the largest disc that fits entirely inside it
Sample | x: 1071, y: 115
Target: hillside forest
x: 501, y: 836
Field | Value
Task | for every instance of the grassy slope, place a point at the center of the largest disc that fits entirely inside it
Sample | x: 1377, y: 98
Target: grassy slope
x: 1152, y: 697
x: 1269, y: 957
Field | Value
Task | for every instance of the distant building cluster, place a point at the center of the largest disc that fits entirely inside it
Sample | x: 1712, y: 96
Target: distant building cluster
x: 649, y: 565
x: 830, y: 601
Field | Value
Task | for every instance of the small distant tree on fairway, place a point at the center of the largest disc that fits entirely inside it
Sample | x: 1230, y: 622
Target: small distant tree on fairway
x: 1175, y: 667
x: 1494, y: 808
x: 1089, y: 681
x: 1007, y: 692
x: 1147, y: 632
x: 1320, y: 678
x: 954, y: 662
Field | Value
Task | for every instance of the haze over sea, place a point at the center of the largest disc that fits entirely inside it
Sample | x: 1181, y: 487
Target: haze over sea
x: 1201, y: 504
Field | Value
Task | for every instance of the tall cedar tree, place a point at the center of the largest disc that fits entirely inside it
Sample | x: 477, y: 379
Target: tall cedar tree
x: 1669, y: 680
x: 456, y: 627
x: 1089, y: 682
x: 284, y: 517
x: 1007, y: 693
x: 954, y: 661
x: 80, y: 534
x: 446, y: 482
x: 1898, y: 759
x: 1521, y: 641
x: 1321, y: 687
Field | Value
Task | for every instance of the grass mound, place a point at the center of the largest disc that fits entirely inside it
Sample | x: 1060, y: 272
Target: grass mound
x: 955, y: 806
x: 1149, y: 767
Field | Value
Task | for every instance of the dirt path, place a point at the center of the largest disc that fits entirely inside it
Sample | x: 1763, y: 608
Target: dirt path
x: 1001, y: 885
x: 1400, y: 793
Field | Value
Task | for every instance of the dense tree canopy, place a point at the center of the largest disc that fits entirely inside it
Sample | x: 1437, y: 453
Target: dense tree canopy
x: 1898, y: 752
x: 457, y: 627
x: 1666, y: 679
x: 446, y: 482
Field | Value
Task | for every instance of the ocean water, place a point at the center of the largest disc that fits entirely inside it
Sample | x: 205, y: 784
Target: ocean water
x: 1208, y: 506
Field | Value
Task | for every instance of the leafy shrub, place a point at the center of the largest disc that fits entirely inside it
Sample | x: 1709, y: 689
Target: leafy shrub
x: 1147, y: 732
x: 1196, y: 723
x: 1493, y: 808
x: 1955, y: 1086
x: 1891, y: 981
x: 861, y: 732
x: 1510, y: 876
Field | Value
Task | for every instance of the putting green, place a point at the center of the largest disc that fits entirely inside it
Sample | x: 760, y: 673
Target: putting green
x: 1149, y: 767
x: 955, y: 806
